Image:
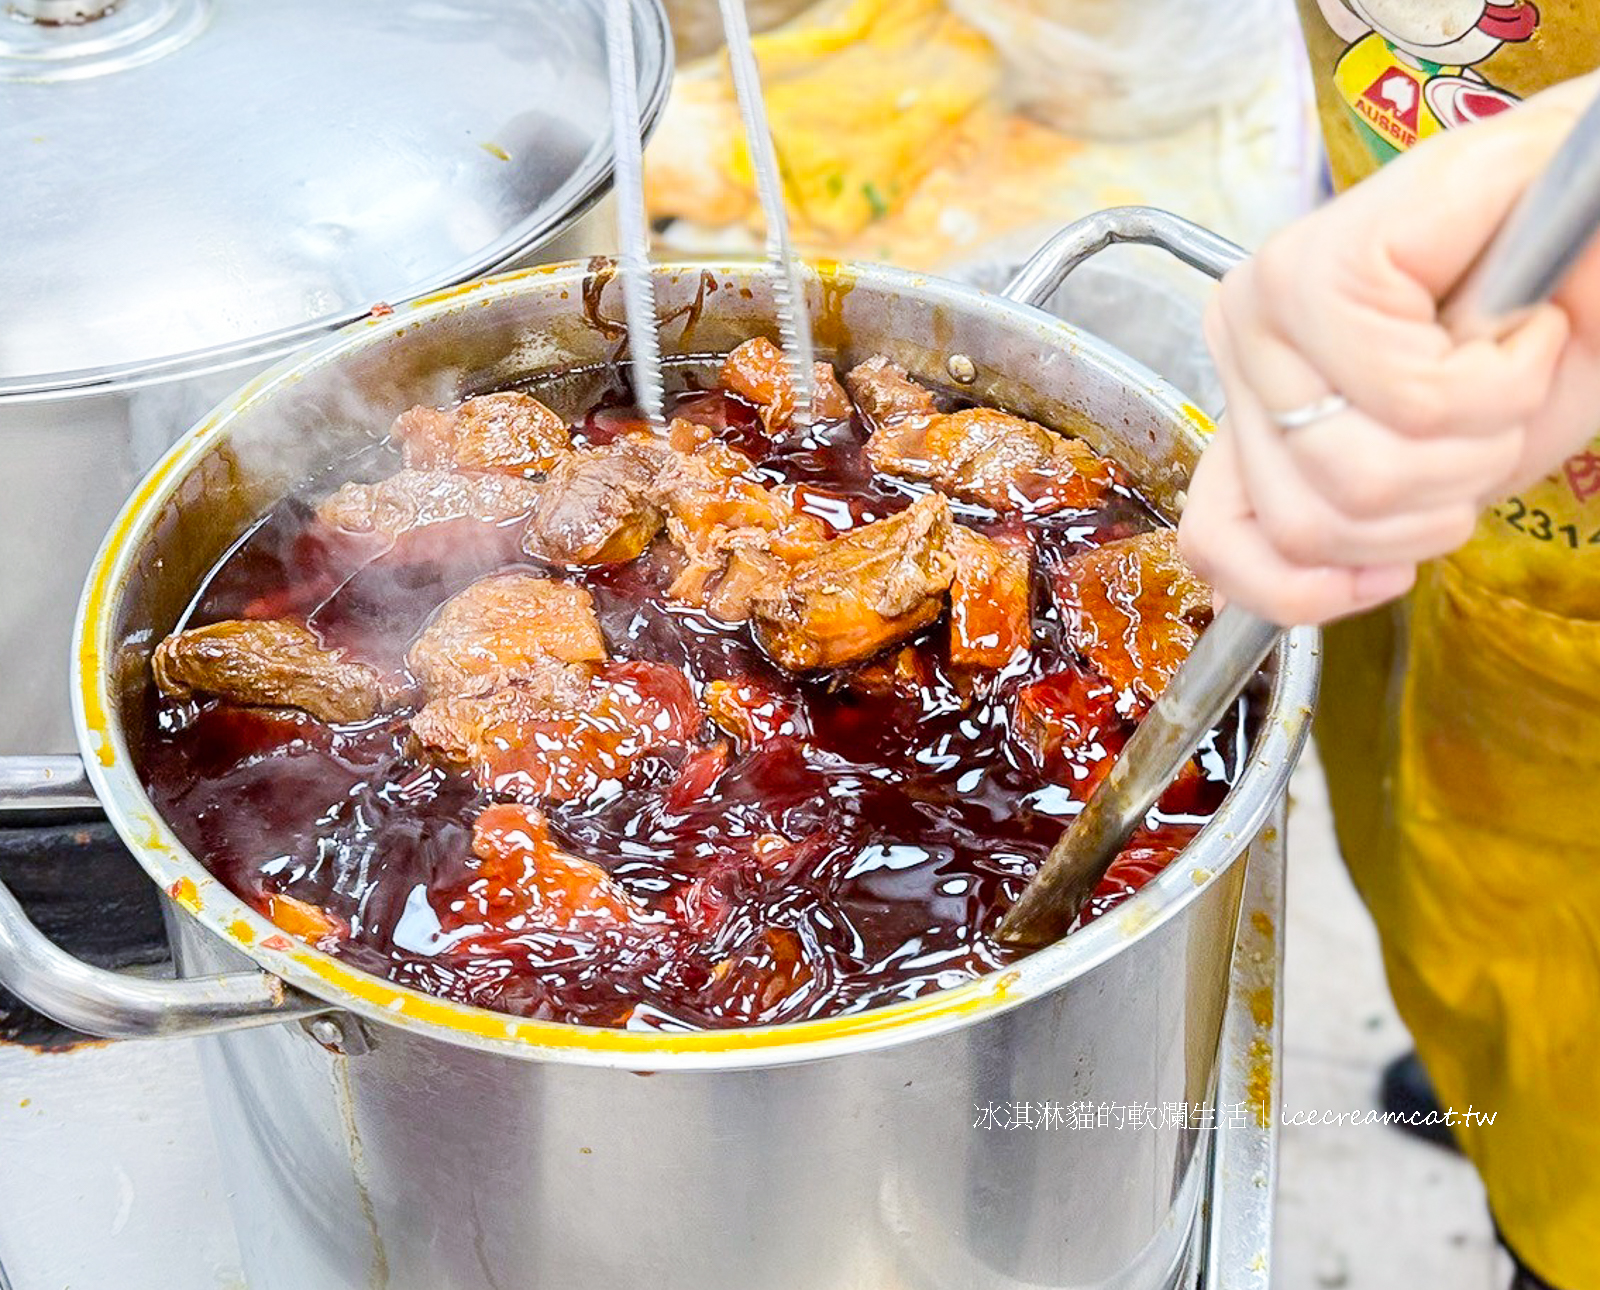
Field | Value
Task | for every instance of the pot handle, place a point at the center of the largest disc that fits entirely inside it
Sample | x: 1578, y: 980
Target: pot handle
x: 114, y: 1005
x: 45, y: 784
x: 1047, y: 268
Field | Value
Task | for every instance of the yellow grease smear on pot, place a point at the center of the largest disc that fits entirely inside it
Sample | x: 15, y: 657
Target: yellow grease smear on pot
x: 963, y: 1001
x: 1198, y: 419
x: 449, y: 293
x: 467, y: 288
x: 1263, y: 1009
x: 1135, y: 918
x: 186, y: 894
x: 94, y: 713
x: 496, y: 151
x: 943, y: 328
x: 827, y: 323
x: 1258, y: 1086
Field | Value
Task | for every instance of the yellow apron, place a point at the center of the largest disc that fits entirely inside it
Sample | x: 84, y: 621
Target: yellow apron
x: 1461, y: 729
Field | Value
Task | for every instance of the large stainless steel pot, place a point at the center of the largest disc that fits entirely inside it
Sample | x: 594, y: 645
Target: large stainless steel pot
x: 195, y: 188
x: 395, y: 1139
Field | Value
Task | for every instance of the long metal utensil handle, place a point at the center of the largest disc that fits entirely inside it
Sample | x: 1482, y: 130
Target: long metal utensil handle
x: 633, y: 257
x: 1223, y: 660
x: 789, y: 291
x: 1537, y: 246
x: 1540, y: 243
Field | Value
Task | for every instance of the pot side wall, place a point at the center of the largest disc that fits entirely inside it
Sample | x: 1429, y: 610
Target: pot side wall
x: 419, y: 1165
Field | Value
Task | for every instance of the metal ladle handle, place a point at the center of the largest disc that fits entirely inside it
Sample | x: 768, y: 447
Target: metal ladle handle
x: 1540, y: 243
x: 1529, y: 257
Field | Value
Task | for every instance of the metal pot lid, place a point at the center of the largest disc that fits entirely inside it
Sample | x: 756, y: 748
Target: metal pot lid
x: 195, y: 184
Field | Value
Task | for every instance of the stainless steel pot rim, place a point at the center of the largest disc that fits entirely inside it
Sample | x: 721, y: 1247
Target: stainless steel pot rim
x: 585, y: 188
x: 111, y: 770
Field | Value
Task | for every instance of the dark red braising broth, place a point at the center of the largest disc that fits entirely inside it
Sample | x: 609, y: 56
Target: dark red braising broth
x: 911, y: 820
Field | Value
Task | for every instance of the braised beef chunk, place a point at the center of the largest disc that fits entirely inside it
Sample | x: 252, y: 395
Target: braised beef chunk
x: 884, y: 393
x: 991, y: 598
x: 995, y: 459
x: 703, y: 483
x: 496, y: 630
x: 756, y: 371
x: 861, y: 592
x: 906, y: 673
x: 1067, y: 726
x: 450, y: 723
x: 509, y: 432
x: 752, y: 712
x: 564, y: 732
x: 726, y: 572
x: 737, y: 537
x: 463, y: 727
x: 526, y: 881
x: 695, y: 459
x: 301, y: 918
x: 273, y: 663
x: 596, y: 507
x: 1134, y: 609
x: 766, y: 970
x: 412, y: 499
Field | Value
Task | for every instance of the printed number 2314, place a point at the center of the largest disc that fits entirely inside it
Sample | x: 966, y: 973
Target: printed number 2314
x: 1538, y: 524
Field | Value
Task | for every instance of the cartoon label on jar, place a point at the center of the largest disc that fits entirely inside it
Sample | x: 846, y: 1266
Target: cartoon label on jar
x: 1390, y: 73
x: 1408, y: 68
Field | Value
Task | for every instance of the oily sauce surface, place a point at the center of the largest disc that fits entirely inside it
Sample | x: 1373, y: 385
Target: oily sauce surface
x: 857, y: 854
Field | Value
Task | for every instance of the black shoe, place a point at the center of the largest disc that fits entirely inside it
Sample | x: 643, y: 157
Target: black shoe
x: 1527, y: 1279
x: 1407, y: 1093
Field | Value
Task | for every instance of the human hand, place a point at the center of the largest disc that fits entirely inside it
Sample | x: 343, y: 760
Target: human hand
x: 1314, y: 523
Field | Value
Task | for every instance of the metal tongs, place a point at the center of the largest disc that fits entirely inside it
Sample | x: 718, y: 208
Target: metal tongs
x: 789, y: 292
x: 638, y: 289
x: 633, y: 234
x: 1544, y: 236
